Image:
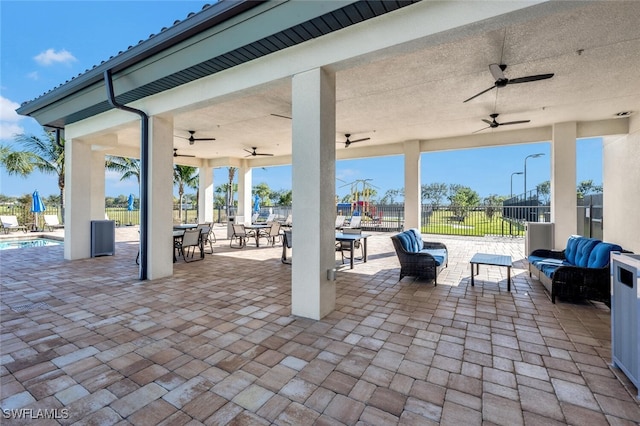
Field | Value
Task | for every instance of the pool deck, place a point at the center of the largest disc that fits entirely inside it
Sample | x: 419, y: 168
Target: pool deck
x: 217, y: 344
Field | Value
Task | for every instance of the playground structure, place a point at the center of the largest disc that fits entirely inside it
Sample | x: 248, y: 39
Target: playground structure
x: 360, y: 201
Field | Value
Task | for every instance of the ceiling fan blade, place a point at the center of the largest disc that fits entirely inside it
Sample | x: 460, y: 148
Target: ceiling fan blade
x: 530, y: 78
x: 484, y: 128
x: 268, y: 155
x: 250, y: 152
x: 204, y: 139
x: 496, y: 72
x: 487, y: 121
x: 360, y: 140
x: 281, y: 116
x: 481, y: 93
x: 515, y: 122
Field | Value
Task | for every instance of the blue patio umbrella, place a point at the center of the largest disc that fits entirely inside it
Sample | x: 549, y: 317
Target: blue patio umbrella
x: 130, y: 206
x: 37, y: 206
x: 256, y: 204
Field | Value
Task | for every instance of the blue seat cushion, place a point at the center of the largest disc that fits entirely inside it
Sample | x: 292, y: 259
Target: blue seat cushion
x: 599, y: 257
x: 548, y: 268
x: 439, y: 255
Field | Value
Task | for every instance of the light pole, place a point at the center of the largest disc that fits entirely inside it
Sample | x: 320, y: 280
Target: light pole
x: 525, y: 170
x: 514, y: 173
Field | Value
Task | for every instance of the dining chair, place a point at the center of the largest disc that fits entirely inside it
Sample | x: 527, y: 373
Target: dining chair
x: 272, y: 233
x: 240, y: 236
x: 208, y: 236
x: 190, y: 240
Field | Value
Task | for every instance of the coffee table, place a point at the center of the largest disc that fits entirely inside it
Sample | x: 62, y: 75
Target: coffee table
x: 492, y: 260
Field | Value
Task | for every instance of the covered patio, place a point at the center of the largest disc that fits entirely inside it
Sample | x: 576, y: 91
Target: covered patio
x: 217, y: 343
x: 293, y: 78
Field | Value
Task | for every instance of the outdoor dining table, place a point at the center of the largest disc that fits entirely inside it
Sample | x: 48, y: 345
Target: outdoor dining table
x: 351, y: 239
x: 257, y: 227
x: 183, y: 226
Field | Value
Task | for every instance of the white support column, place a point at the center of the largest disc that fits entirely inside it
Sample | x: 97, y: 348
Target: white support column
x: 77, y: 214
x: 97, y: 185
x: 563, y: 182
x: 160, y: 199
x: 313, y: 293
x: 205, y: 194
x: 412, y: 186
x: 245, y: 182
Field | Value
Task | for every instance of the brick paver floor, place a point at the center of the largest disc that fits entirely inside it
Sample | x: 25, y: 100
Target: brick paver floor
x: 217, y: 344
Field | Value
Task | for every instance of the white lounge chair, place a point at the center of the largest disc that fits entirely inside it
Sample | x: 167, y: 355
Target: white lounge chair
x: 51, y: 221
x: 10, y: 223
x: 354, y: 222
x: 339, y: 221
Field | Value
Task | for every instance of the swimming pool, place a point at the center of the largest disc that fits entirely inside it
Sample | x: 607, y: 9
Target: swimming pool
x: 25, y: 243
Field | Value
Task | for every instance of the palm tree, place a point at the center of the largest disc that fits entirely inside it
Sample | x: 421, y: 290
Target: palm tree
x: 42, y: 154
x: 230, y: 189
x: 184, y: 176
x: 127, y: 167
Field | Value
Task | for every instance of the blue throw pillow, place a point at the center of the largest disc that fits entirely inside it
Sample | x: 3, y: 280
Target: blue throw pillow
x: 585, y: 246
x: 405, y: 240
x: 599, y: 257
x: 572, y: 248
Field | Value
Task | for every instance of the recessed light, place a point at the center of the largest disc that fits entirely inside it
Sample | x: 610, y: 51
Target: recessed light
x: 623, y: 113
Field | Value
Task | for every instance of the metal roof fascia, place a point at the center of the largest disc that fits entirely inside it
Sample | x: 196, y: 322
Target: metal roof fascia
x: 185, y: 29
x: 131, y: 59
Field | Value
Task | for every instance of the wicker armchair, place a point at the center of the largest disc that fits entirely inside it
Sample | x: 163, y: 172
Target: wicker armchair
x: 426, y: 263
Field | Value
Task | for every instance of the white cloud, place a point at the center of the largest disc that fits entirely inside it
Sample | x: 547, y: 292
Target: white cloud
x: 34, y: 75
x: 50, y: 56
x: 9, y: 119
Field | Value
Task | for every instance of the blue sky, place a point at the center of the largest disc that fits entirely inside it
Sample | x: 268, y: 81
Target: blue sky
x: 46, y: 43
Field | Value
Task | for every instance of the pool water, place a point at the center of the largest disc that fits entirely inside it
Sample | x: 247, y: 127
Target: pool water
x: 35, y: 242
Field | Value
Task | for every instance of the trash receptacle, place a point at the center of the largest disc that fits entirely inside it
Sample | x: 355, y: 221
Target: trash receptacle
x: 230, y: 221
x: 103, y: 238
x: 625, y: 315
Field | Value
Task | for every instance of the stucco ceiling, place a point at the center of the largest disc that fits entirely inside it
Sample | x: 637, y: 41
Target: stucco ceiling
x: 417, y: 91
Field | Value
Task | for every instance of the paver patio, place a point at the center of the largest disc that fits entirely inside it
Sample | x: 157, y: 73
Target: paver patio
x: 217, y: 344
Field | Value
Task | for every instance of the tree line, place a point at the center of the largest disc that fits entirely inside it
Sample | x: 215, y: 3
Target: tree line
x: 46, y: 155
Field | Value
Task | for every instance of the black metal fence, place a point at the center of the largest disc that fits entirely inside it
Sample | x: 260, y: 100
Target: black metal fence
x: 503, y: 220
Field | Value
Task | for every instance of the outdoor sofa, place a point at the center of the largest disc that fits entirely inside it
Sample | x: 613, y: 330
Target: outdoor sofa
x: 581, y: 270
x: 419, y: 258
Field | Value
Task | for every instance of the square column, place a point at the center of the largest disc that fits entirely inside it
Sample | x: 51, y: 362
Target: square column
x: 245, y: 181
x: 563, y: 182
x: 97, y: 185
x: 78, y: 160
x: 412, y: 186
x: 313, y: 295
x: 160, y: 199
x: 205, y: 195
